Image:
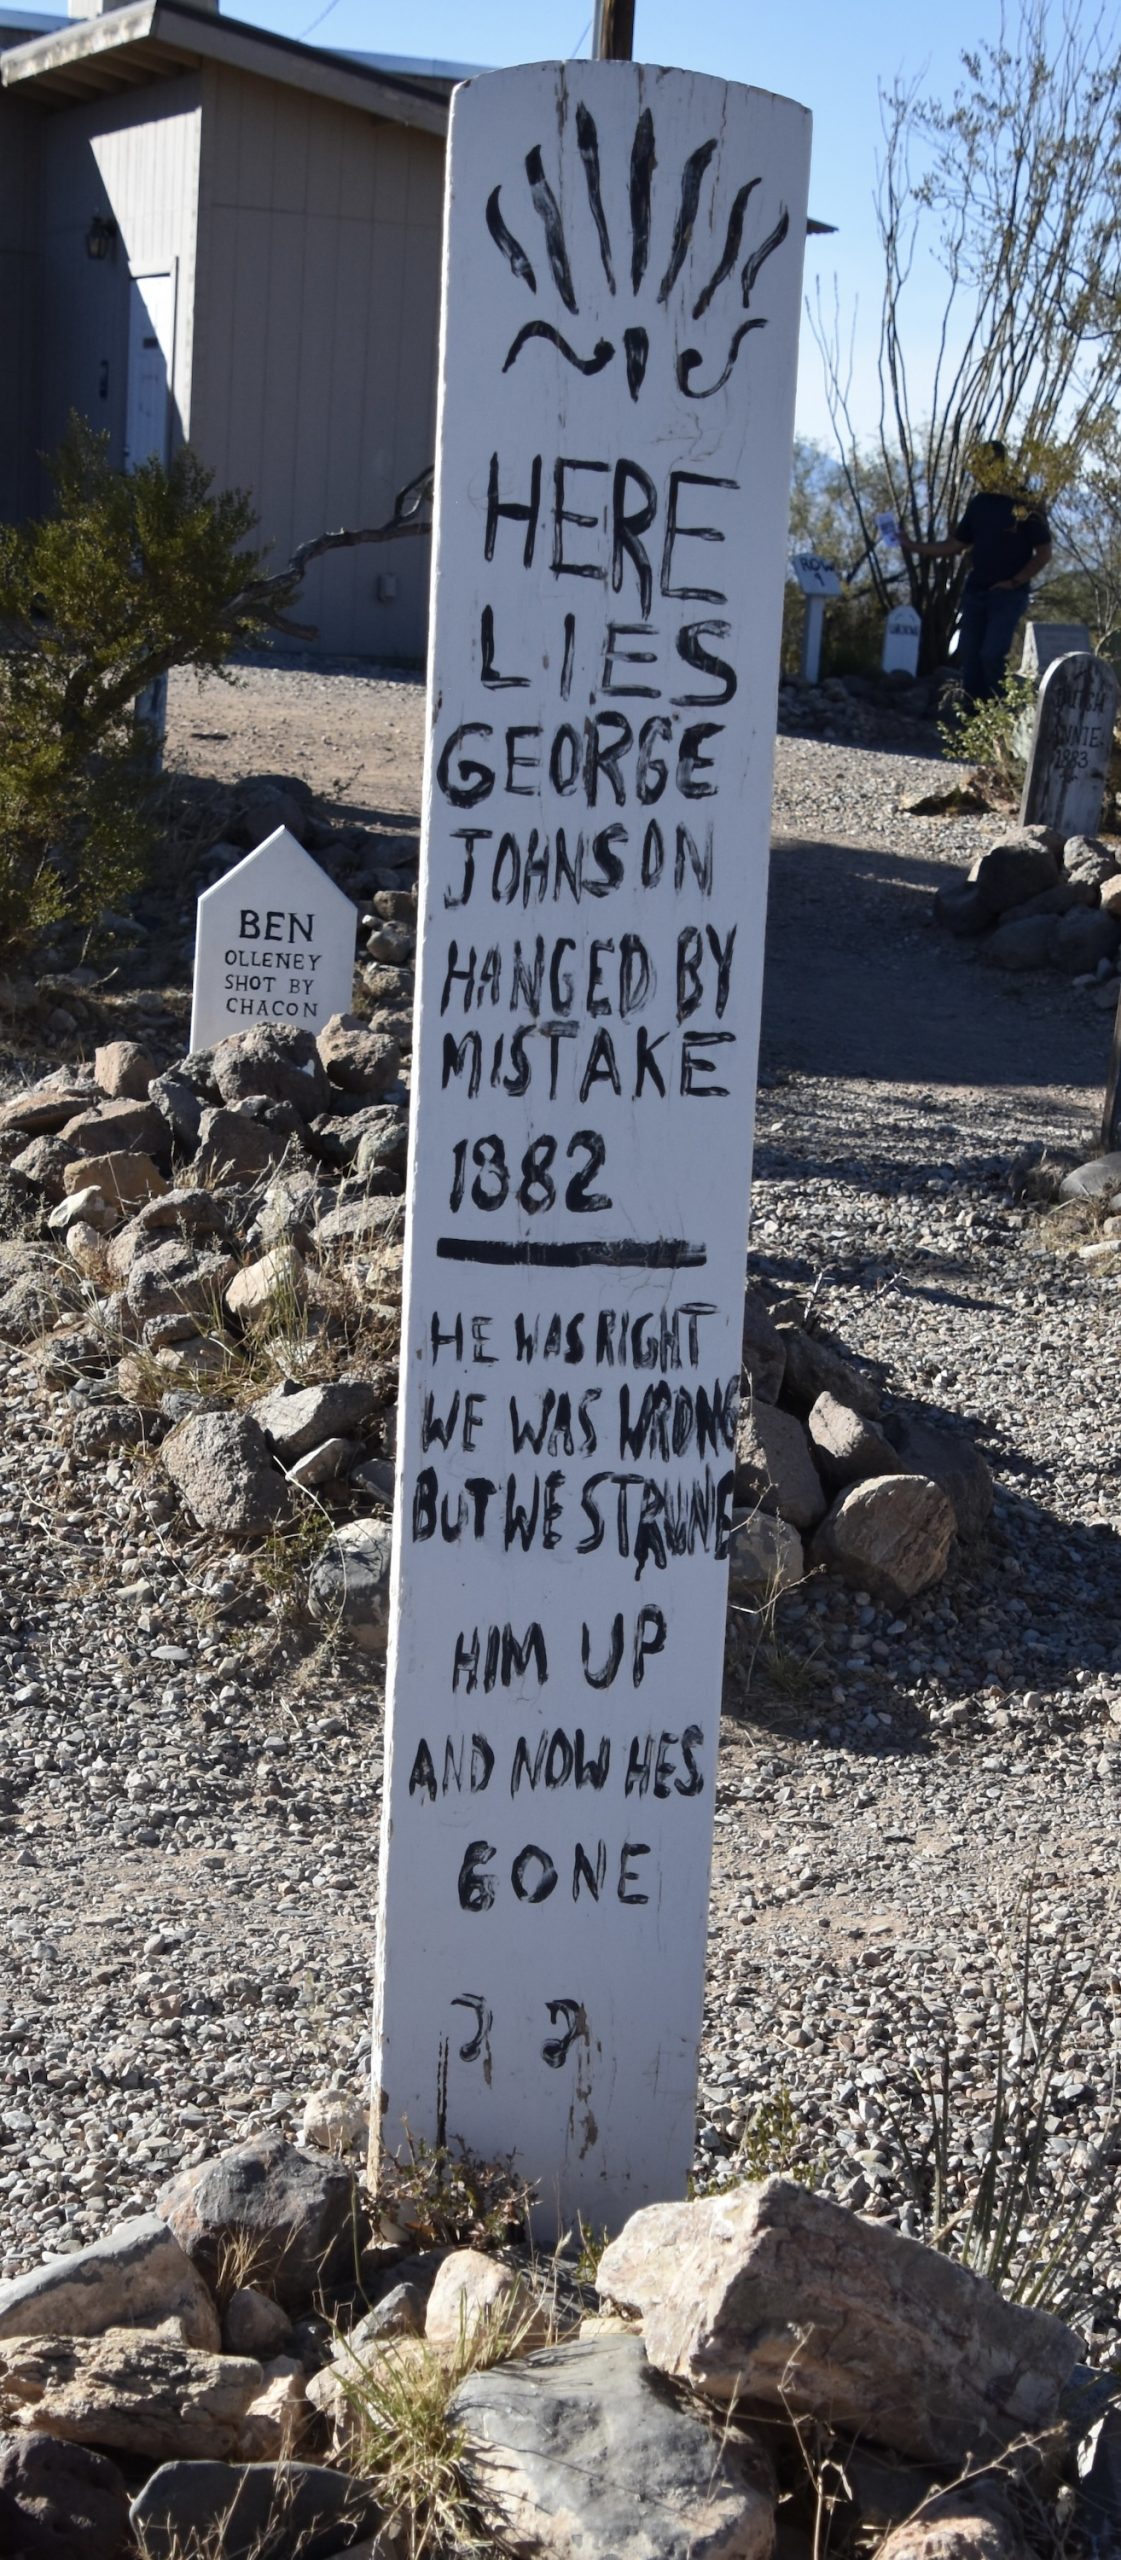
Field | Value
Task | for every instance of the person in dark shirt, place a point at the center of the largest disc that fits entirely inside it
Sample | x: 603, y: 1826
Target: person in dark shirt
x: 1009, y: 538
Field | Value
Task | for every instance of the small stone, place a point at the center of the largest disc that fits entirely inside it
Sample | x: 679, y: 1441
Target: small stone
x: 1026, y: 942
x: 239, y: 2510
x: 477, y: 2295
x: 279, y: 1276
x: 254, y: 2325
x: 174, y: 1278
x: 1086, y: 937
x: 814, y: 1368
x: 78, y: 2500
x: 46, y: 1107
x: 123, y: 1070
x: 350, y: 1581
x: 1010, y: 872
x: 233, y: 1148
x: 126, y: 1180
x: 115, y: 1126
x: 291, y: 2210
x: 960, y: 2526
x: 764, y: 1558
x: 130, y: 2392
x: 334, y: 2121
x: 1096, y: 1180
x: 277, y: 2420
x: 400, y: 2314
x: 278, y: 1062
x: 134, y: 2278
x: 948, y: 1459
x: 297, y: 1419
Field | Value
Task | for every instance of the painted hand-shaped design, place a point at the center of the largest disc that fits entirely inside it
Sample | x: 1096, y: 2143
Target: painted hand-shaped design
x: 635, y: 338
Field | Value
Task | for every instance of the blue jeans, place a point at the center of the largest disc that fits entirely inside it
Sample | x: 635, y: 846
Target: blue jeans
x: 989, y: 616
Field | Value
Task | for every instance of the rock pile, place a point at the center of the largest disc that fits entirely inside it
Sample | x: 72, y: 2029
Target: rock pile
x: 217, y: 1276
x: 824, y: 1476
x: 1033, y: 901
x: 204, y: 2377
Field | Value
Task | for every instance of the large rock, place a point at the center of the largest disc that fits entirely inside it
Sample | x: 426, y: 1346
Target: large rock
x: 1010, y: 872
x: 1097, y: 1180
x: 356, y: 1058
x: 1024, y: 942
x: 765, y: 1557
x: 129, y: 2391
x: 78, y: 2499
x: 126, y: 1180
x: 890, y: 1536
x: 580, y: 2454
x: 1084, y: 937
x: 43, y: 1162
x: 779, y: 2296
x: 235, y: 1148
x: 964, y: 2525
x: 47, y: 1106
x: 175, y: 1214
x: 290, y: 2213
x: 296, y: 1419
x: 279, y: 1062
x: 814, y: 1368
x: 349, y: 1582
x: 255, y: 2511
x: 176, y: 1279
x: 774, y: 1467
x: 949, y: 1460
x: 135, y: 2277
x: 32, y: 1291
x: 1087, y: 858
x: 963, y: 911
x: 221, y: 1468
x: 181, y: 1106
x: 764, y: 1352
x: 846, y: 1446
x: 111, y: 1126
x: 123, y: 1070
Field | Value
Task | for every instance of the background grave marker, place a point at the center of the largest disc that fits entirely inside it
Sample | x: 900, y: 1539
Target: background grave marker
x: 902, y: 641
x: 818, y: 580
x: 622, y: 279
x: 1071, y: 742
x: 275, y: 943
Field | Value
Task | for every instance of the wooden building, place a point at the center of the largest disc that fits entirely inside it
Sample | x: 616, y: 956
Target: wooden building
x: 211, y: 233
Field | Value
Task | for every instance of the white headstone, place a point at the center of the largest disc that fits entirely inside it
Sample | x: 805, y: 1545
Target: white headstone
x: 275, y: 943
x: 1071, y: 745
x: 902, y: 641
x: 1046, y: 641
x: 622, y: 276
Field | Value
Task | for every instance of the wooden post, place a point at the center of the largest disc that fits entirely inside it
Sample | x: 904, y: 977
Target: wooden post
x: 614, y: 31
x: 1111, y: 1115
x: 622, y: 284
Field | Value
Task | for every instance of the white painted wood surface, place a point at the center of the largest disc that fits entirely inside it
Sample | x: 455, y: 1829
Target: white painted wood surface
x: 275, y: 944
x: 902, y: 641
x: 593, y: 890
x: 1071, y: 744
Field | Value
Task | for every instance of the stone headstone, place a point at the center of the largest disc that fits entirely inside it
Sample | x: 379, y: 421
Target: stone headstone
x: 1071, y: 743
x: 902, y: 641
x: 622, y: 271
x: 275, y: 943
x: 1046, y: 641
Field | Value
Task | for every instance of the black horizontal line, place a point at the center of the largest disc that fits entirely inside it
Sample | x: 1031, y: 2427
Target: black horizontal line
x: 665, y: 1253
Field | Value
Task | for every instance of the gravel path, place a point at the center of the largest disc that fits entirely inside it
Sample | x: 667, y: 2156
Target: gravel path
x: 187, y: 1844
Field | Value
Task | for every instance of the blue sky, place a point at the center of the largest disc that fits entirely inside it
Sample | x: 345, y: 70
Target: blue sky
x: 829, y: 56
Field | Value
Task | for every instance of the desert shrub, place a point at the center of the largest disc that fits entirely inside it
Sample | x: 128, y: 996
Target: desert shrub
x: 126, y: 576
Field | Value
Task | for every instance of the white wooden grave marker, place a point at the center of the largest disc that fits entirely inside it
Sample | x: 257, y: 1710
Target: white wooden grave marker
x: 902, y: 640
x: 818, y: 580
x: 275, y: 943
x: 621, y: 297
x: 1071, y: 744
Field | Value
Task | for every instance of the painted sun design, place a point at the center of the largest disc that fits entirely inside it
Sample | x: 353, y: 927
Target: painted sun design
x: 635, y: 339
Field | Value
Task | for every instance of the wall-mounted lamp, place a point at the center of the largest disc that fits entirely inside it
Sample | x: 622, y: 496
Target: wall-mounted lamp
x: 100, y: 236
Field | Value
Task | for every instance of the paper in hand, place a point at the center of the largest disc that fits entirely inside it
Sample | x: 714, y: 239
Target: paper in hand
x: 887, y: 530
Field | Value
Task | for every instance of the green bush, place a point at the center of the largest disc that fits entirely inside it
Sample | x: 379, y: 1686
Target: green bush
x: 128, y: 575
x: 993, y: 736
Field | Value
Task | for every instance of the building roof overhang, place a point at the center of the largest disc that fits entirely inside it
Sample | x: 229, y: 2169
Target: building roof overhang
x: 151, y: 40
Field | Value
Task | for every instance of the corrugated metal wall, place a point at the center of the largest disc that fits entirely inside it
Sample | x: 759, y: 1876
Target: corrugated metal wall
x: 134, y: 159
x: 19, y: 307
x: 315, y: 336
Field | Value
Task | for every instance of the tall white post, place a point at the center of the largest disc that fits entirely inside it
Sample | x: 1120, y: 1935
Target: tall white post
x: 621, y: 298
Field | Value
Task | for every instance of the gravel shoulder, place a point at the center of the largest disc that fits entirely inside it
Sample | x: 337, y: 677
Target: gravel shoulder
x: 887, y: 1786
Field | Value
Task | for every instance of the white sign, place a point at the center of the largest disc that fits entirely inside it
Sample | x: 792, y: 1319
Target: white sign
x: 887, y: 531
x: 621, y: 298
x: 814, y: 576
x: 275, y: 944
x: 902, y: 640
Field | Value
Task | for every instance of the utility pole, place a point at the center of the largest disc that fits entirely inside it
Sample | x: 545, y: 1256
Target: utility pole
x: 614, y: 31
